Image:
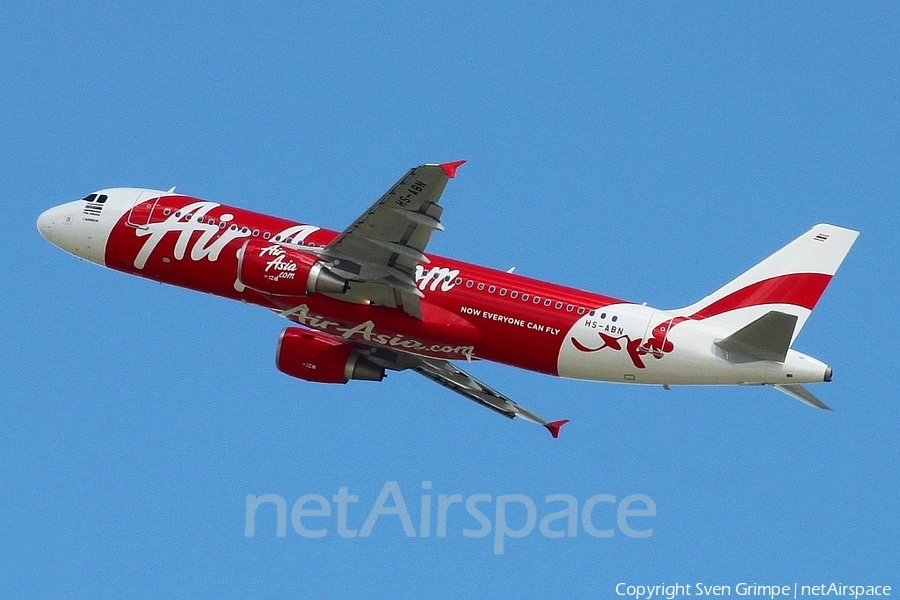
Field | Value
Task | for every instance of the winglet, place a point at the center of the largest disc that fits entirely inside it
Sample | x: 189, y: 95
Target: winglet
x: 451, y: 167
x: 555, y: 426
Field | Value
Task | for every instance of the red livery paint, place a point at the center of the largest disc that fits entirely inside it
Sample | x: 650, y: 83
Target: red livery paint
x: 799, y: 289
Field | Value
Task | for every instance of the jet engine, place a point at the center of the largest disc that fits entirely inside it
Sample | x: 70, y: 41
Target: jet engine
x: 274, y: 268
x: 314, y: 356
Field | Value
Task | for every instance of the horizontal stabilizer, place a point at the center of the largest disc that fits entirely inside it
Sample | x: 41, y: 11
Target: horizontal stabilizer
x: 802, y: 394
x: 767, y: 338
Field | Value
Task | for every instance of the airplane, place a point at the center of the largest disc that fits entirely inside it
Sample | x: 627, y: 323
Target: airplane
x: 369, y: 300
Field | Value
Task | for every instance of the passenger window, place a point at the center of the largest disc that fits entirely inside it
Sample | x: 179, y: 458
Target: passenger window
x: 524, y: 297
x: 548, y: 302
x: 502, y: 291
x: 492, y: 289
x: 558, y: 305
x: 580, y: 310
x: 513, y: 294
x: 480, y: 286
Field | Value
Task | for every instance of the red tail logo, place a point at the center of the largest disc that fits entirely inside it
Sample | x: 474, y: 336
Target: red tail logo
x: 657, y: 344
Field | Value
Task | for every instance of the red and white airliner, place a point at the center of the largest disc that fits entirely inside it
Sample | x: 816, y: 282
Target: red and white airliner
x: 369, y: 299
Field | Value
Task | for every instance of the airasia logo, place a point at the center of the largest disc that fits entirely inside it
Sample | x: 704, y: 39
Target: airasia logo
x: 215, y: 233
x: 281, y: 267
x: 367, y: 331
x: 656, y: 345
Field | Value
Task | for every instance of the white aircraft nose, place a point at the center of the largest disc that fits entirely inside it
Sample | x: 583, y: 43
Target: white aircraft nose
x: 52, y: 222
x: 64, y: 227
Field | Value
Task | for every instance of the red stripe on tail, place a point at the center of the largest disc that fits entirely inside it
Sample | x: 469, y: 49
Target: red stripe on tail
x: 799, y: 289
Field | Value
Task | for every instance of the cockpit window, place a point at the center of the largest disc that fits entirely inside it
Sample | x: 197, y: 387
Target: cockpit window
x: 94, y: 204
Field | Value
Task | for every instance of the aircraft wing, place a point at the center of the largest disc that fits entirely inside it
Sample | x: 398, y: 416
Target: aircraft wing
x: 449, y: 376
x: 379, y: 252
x: 453, y: 378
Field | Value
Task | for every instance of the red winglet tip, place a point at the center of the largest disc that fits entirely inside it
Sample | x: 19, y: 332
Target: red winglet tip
x: 451, y: 167
x: 555, y: 426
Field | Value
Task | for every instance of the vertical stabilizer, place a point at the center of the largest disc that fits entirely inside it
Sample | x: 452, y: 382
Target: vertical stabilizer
x: 791, y: 281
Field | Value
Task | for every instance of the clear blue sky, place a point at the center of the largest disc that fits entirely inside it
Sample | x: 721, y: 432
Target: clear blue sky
x: 649, y: 152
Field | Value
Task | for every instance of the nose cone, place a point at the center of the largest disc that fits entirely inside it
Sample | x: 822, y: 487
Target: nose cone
x: 68, y: 228
x: 54, y: 222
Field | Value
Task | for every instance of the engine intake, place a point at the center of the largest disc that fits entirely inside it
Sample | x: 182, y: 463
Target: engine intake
x: 314, y: 356
x: 274, y: 268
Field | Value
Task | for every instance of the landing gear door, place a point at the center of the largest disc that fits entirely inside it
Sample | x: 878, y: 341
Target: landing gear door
x: 140, y: 214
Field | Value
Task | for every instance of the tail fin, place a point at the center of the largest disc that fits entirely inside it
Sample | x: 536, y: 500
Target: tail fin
x: 791, y: 281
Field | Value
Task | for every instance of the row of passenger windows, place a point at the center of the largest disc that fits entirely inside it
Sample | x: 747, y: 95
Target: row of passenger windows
x: 223, y: 224
x: 469, y: 283
x: 525, y: 297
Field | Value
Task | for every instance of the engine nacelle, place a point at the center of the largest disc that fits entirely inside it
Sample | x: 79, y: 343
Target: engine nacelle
x: 274, y: 268
x: 314, y: 356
